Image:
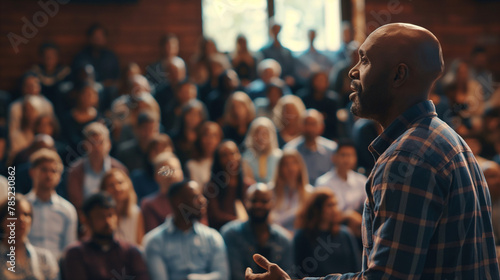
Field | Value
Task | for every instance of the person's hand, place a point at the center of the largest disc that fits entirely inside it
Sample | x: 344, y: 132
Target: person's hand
x: 274, y: 272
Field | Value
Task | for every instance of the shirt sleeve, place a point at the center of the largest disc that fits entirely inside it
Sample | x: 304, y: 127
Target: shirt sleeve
x: 219, y: 261
x: 407, y: 205
x: 72, y: 227
x: 156, y: 265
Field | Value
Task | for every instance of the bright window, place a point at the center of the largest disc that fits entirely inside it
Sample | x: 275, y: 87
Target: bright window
x: 224, y: 20
x: 298, y: 16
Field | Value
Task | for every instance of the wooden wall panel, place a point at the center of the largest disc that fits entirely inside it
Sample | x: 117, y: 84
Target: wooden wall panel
x: 135, y: 29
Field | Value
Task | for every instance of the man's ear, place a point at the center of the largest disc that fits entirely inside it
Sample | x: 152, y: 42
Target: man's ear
x: 401, y: 75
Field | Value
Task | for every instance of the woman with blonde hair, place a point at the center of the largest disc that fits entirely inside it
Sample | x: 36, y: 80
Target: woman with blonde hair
x: 130, y: 223
x: 291, y: 188
x: 287, y: 118
x: 262, y: 152
x: 238, y: 114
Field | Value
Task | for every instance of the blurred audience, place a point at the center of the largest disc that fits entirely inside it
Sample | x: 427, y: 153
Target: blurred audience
x: 182, y: 247
x: 257, y: 235
x: 55, y: 222
x: 208, y: 137
x: 315, y: 149
x: 86, y: 173
x: 225, y: 192
x: 102, y: 256
x: 291, y: 188
x: 319, y: 223
x: 30, y: 262
x: 261, y: 149
x: 130, y: 220
x: 156, y: 206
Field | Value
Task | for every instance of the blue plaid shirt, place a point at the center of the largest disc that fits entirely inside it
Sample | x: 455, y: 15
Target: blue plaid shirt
x: 428, y: 210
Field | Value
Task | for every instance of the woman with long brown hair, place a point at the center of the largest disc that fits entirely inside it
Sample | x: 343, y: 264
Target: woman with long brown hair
x: 291, y: 188
x: 319, y: 221
x: 30, y: 262
x: 130, y: 223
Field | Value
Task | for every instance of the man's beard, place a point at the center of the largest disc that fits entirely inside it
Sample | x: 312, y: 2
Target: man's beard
x: 371, y: 106
x: 257, y: 219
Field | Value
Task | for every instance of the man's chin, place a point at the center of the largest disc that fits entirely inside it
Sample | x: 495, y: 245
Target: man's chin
x: 356, y: 109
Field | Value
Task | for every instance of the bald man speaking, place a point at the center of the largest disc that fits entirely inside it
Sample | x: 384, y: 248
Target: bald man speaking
x: 428, y: 210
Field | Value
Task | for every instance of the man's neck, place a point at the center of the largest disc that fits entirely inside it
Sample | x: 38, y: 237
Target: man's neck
x: 102, y: 241
x: 260, y: 231
x: 182, y: 224
x: 43, y: 194
x: 342, y: 173
x: 397, y: 110
x: 96, y: 163
x: 311, y: 144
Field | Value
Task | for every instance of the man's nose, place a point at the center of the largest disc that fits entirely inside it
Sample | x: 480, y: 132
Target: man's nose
x: 354, y: 73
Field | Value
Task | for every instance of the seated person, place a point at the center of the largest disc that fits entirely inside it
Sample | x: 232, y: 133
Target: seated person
x: 130, y: 222
x: 291, y: 188
x: 132, y: 152
x: 155, y: 207
x: 144, y: 179
x: 230, y: 177
x: 182, y: 247
x: 102, y: 256
x: 257, y: 235
x: 319, y: 223
x: 85, y: 174
x: 54, y: 218
x: 30, y: 262
x: 262, y: 152
x: 347, y: 184
x: 316, y: 150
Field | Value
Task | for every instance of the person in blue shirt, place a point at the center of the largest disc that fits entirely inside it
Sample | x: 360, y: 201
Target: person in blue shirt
x: 54, y: 218
x: 257, y: 235
x: 182, y: 247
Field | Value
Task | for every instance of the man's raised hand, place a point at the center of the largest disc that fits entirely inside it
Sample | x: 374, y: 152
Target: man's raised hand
x: 274, y: 272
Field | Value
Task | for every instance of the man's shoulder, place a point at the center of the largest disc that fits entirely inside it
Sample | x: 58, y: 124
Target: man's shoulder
x: 75, y: 248
x: 154, y: 237
x: 328, y: 144
x: 325, y: 179
x: 232, y: 227
x: 294, y: 143
x: 67, y: 206
x: 280, y: 232
x: 430, y: 139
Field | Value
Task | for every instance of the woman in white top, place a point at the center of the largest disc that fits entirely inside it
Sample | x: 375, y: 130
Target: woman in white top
x: 262, y: 152
x: 130, y: 223
x: 291, y: 188
x: 208, y: 137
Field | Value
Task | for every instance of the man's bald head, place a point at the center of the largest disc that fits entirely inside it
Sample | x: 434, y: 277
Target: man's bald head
x: 398, y: 64
x: 411, y: 44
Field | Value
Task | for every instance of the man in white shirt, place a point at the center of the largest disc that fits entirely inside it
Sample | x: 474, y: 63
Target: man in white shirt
x: 347, y: 184
x: 54, y: 218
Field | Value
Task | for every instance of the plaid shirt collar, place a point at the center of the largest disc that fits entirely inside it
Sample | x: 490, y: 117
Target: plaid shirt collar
x: 400, y: 125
